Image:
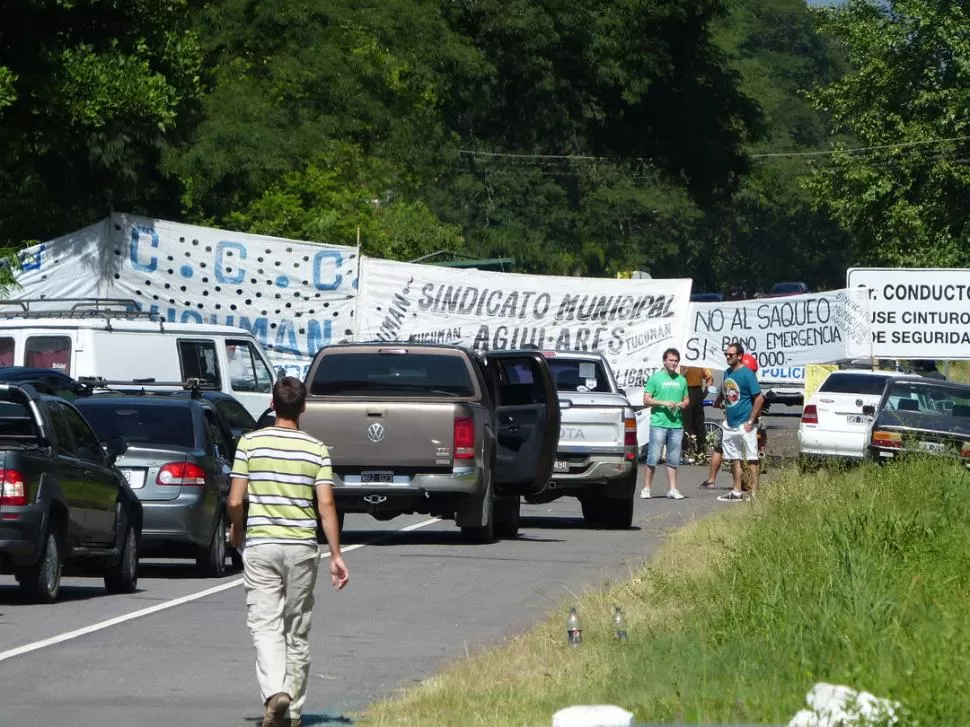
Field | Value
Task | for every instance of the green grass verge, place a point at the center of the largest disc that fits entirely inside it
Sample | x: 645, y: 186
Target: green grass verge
x: 857, y: 578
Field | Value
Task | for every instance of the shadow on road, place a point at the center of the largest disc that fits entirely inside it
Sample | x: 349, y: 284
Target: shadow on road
x: 10, y: 596
x: 311, y: 720
x: 382, y: 538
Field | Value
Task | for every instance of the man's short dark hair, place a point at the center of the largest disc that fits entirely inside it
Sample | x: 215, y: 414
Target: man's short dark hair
x: 738, y: 346
x: 289, y: 396
x: 669, y: 351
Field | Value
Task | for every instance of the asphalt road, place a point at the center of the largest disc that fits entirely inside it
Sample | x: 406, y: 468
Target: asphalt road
x: 178, y: 652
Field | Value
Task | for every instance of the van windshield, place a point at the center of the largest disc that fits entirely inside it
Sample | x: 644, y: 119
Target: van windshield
x: 402, y: 374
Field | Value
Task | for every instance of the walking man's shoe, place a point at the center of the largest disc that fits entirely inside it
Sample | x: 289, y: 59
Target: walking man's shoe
x: 276, y: 707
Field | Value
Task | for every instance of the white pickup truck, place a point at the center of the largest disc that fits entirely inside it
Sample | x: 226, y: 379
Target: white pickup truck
x: 596, y: 460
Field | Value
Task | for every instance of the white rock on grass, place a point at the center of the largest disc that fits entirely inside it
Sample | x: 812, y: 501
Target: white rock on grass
x: 834, y: 705
x: 592, y: 715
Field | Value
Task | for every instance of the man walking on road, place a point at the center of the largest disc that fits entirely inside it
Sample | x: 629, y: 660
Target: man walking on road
x: 742, y: 400
x: 666, y: 393
x: 283, y: 471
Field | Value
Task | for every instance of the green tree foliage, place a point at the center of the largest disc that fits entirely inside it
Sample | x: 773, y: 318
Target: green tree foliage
x: 89, y: 93
x: 902, y: 191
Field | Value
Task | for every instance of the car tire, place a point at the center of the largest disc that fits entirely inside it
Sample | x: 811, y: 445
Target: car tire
x: 593, y: 510
x: 122, y: 577
x: 211, y: 560
x: 508, y: 513
x: 41, y: 582
x: 617, y: 513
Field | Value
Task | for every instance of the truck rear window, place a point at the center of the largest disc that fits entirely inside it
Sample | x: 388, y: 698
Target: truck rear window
x: 141, y: 424
x: 578, y: 375
x: 16, y: 420
x: 397, y: 373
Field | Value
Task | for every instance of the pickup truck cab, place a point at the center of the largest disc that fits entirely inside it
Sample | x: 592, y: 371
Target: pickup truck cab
x: 434, y: 429
x: 596, y: 460
x: 63, y: 503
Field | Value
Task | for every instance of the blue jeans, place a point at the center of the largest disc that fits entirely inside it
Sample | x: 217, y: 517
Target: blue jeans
x: 660, y: 436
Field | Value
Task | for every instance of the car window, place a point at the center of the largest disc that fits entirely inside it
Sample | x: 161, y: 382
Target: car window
x: 221, y: 445
x: 48, y: 352
x: 6, y: 352
x: 142, y: 424
x: 199, y: 361
x: 400, y: 373
x: 578, y: 375
x: 62, y: 429
x: 846, y: 383
x: 247, y: 369
x: 235, y: 414
x: 933, y: 400
x: 86, y: 444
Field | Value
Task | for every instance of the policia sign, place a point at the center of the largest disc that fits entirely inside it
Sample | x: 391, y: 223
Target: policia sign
x: 917, y: 313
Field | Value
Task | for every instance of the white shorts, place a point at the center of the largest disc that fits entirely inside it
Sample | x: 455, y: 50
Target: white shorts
x: 739, y: 444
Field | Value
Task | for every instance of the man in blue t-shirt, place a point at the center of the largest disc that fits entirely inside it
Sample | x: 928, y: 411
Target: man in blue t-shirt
x: 742, y: 400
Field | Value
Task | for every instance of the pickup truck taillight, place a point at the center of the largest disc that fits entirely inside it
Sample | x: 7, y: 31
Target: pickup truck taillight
x: 464, y: 438
x: 630, y: 432
x: 810, y: 415
x: 181, y: 474
x: 12, y: 488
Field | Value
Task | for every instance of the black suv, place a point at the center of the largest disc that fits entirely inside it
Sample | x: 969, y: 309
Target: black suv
x: 63, y: 503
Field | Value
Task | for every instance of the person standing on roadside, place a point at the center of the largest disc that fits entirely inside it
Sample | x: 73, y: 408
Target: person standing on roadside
x: 666, y: 394
x: 698, y: 379
x: 283, y: 471
x: 742, y: 400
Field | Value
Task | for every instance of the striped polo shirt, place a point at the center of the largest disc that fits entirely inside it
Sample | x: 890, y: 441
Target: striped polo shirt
x: 282, y: 466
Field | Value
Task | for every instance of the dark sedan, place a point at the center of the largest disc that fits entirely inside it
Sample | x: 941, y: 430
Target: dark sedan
x: 925, y: 416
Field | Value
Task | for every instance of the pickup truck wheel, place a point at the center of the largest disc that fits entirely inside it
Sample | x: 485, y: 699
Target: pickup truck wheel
x: 618, y: 513
x: 508, y: 511
x: 593, y: 508
x: 122, y: 577
x: 41, y: 582
x: 211, y: 560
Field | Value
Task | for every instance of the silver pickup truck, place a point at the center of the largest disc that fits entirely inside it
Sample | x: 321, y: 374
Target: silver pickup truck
x: 596, y: 460
x: 435, y: 429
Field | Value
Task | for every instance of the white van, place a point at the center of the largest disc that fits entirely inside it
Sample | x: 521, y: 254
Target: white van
x: 111, y: 339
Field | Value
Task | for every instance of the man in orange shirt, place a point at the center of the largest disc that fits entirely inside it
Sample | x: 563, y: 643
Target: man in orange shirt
x: 698, y: 380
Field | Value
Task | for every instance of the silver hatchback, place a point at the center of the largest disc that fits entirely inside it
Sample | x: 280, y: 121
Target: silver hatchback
x: 178, y: 461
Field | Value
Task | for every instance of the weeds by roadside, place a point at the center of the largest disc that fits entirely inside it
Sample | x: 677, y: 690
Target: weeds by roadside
x: 854, y: 577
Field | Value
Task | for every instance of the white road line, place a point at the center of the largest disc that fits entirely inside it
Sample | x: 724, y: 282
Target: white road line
x: 100, y: 626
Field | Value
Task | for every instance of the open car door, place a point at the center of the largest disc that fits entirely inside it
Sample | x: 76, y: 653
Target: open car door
x: 526, y: 421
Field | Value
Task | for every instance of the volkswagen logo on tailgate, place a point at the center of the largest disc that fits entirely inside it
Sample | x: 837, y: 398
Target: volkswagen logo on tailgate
x: 375, y: 433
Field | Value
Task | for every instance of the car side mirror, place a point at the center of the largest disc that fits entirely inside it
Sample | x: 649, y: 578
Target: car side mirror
x: 869, y: 410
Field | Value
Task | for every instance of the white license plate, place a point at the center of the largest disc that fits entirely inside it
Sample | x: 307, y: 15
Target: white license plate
x: 560, y: 465
x: 931, y: 446
x: 385, y: 477
x: 136, y: 478
x: 858, y: 419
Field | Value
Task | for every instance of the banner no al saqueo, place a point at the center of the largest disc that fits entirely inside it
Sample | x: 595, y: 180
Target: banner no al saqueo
x: 630, y: 321
x: 782, y: 332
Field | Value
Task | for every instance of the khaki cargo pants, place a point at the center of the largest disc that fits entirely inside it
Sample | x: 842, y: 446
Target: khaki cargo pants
x: 279, y: 581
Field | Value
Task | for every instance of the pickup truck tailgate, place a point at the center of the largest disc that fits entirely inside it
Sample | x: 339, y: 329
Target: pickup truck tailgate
x: 392, y: 434
x: 590, y: 422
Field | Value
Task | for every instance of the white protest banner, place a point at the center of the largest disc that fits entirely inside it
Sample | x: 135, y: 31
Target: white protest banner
x: 917, y: 313
x: 782, y: 332
x: 295, y: 297
x: 69, y: 266
x: 630, y: 321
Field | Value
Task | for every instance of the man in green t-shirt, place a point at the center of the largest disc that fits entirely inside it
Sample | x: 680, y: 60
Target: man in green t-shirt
x: 666, y: 393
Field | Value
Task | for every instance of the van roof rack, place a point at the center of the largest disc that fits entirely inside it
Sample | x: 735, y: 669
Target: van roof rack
x: 147, y: 386
x: 74, y: 308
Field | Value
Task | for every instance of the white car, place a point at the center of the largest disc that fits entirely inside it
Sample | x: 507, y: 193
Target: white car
x: 833, y: 424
